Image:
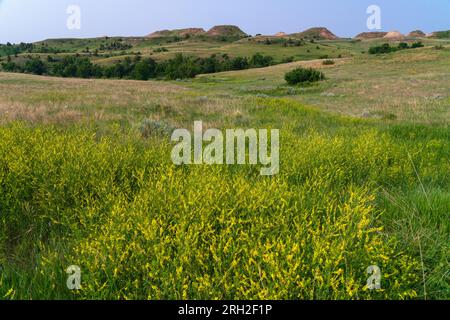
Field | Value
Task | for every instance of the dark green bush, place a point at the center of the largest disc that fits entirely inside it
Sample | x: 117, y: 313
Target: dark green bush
x: 162, y: 49
x: 384, y: 48
x: 302, y: 75
x: 239, y: 63
x: 418, y: 44
x: 260, y: 61
x: 35, y: 66
x: 144, y: 70
x: 11, y: 67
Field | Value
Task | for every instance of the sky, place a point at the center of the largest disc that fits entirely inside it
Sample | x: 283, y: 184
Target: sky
x: 34, y: 20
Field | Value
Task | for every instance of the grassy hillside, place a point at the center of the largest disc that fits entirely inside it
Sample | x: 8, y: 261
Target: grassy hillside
x: 364, y: 160
x: 109, y: 50
x: 408, y: 85
x: 442, y: 34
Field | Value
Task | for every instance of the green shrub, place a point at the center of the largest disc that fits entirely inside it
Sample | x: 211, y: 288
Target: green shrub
x: 11, y: 67
x: 162, y: 49
x: 35, y: 66
x: 259, y: 61
x: 384, y: 48
x: 239, y: 63
x: 418, y: 44
x: 144, y: 70
x: 302, y: 75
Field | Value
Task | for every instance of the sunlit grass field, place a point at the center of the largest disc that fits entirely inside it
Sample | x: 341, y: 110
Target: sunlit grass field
x: 364, y: 180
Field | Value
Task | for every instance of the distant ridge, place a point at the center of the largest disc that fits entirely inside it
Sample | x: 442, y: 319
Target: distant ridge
x: 370, y: 35
x: 217, y: 31
x: 317, y: 33
x: 281, y: 34
x: 394, y: 35
x: 235, y: 33
x: 440, y: 34
x: 417, y: 34
x: 178, y: 32
x: 227, y: 31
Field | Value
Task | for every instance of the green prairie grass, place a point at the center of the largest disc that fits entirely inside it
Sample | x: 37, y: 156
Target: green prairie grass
x: 141, y: 228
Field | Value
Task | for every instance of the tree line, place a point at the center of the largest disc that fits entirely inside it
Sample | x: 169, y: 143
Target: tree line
x: 137, y: 68
x: 387, y: 48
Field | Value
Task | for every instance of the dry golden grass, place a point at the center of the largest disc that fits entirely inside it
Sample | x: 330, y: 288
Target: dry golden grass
x: 57, y: 100
x: 53, y: 100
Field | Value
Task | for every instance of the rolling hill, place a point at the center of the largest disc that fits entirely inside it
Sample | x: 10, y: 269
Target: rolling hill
x: 177, y: 33
x: 370, y: 35
x: 316, y: 33
x: 226, y: 31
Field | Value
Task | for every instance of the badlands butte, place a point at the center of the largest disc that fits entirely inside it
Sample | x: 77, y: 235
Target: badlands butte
x: 318, y: 33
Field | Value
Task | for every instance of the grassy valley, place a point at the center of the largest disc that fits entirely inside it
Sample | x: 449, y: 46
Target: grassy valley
x: 86, y: 177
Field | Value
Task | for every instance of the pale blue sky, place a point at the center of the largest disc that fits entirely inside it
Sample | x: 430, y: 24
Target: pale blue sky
x: 32, y: 20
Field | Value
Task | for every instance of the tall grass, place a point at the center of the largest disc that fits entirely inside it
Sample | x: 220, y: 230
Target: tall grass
x: 141, y: 228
